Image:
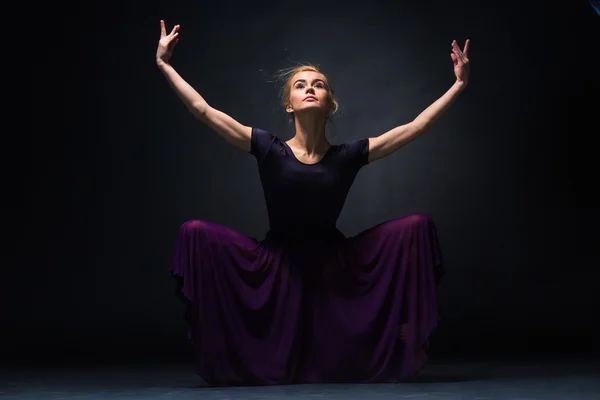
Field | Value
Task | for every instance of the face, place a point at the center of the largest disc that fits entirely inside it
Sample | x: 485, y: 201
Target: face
x: 308, y: 91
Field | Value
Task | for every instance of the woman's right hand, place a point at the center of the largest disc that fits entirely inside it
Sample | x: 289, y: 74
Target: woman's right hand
x: 167, y: 43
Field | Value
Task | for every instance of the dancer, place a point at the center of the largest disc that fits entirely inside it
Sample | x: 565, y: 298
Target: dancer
x: 307, y: 304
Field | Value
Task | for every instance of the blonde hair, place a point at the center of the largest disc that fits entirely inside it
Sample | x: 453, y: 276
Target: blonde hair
x: 287, y: 75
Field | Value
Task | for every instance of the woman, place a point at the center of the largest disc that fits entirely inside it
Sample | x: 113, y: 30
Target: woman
x: 306, y: 304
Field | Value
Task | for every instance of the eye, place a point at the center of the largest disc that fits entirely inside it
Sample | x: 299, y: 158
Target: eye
x: 319, y: 85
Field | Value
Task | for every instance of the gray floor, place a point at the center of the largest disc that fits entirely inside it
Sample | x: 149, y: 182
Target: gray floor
x: 523, y: 380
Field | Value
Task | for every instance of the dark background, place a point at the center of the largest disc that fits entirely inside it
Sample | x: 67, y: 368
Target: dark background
x: 114, y: 164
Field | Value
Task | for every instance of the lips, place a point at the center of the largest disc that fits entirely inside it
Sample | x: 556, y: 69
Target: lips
x: 310, y: 98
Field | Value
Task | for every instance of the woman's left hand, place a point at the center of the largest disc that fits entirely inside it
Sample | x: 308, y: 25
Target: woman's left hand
x: 461, y: 61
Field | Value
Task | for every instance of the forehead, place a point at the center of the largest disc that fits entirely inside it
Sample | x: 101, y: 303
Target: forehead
x: 309, y: 76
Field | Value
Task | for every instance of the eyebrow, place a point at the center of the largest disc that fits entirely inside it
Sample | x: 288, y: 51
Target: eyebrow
x: 313, y: 81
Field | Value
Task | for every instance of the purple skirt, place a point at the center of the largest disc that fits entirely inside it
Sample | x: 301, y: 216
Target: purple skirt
x: 357, y: 309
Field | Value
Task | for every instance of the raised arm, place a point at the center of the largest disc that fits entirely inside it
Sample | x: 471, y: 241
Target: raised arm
x: 231, y: 130
x: 388, y: 142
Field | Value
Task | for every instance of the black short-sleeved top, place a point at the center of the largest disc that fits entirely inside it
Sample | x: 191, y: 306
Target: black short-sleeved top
x: 305, y: 199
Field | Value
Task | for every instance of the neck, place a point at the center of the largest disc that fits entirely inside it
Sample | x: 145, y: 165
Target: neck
x: 310, y: 134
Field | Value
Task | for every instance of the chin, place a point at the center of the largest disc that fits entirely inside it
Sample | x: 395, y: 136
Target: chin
x: 313, y: 106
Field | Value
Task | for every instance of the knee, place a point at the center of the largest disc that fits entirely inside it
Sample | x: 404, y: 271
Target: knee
x: 410, y: 223
x: 417, y: 220
x: 194, y: 226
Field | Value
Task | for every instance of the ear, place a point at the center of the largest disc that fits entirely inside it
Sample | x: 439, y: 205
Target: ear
x: 289, y: 109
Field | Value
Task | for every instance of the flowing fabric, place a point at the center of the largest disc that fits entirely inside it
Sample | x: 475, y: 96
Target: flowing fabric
x: 306, y: 304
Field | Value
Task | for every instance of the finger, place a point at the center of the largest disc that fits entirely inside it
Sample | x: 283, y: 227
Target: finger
x: 455, y: 47
x: 466, y: 49
x: 171, y: 41
x: 464, y: 57
x: 454, y: 58
x: 175, y: 29
x: 163, y: 31
x: 457, y: 54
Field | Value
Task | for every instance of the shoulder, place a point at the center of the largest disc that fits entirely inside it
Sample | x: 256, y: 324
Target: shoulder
x: 262, y: 141
x: 261, y: 134
x: 355, y: 151
x: 261, y: 137
x: 356, y: 146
